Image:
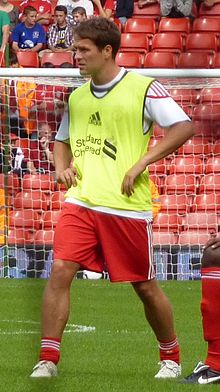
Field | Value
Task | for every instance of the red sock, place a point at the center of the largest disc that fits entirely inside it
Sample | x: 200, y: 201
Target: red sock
x: 169, y: 350
x: 211, y: 315
x: 50, y: 350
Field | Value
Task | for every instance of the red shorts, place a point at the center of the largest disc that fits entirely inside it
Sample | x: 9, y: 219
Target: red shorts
x: 100, y: 241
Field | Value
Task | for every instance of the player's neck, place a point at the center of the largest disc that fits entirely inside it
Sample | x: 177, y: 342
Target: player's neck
x: 106, y: 75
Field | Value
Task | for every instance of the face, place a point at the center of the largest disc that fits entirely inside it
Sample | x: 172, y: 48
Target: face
x: 89, y: 58
x: 60, y: 17
x: 45, y: 131
x: 30, y: 18
x: 77, y: 17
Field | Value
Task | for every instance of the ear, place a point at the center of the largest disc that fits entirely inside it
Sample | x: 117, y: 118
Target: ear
x: 107, y: 51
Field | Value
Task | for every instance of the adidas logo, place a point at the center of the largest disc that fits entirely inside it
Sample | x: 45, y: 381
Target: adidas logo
x: 95, y: 119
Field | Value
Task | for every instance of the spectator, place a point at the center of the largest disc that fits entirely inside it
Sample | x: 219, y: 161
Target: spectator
x: 4, y: 30
x: 79, y: 14
x: 41, y: 151
x: 21, y: 94
x: 176, y: 8
x: 155, y: 198
x: 28, y: 35
x: 104, y: 8
x: 142, y: 3
x: 43, y: 7
x: 71, y: 4
x: 124, y: 10
x: 12, y: 11
x: 60, y: 34
x: 66, y: 65
x: 47, y: 64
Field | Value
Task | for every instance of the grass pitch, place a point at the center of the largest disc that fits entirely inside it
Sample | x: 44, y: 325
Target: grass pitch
x: 108, y: 347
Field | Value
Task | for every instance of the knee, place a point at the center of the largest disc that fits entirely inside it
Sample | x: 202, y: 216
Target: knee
x: 61, y: 274
x: 145, y: 290
x: 211, y: 257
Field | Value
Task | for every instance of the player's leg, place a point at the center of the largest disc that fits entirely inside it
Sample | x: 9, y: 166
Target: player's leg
x: 127, y: 248
x: 209, y: 372
x: 55, y: 313
x: 74, y: 247
x: 159, y: 314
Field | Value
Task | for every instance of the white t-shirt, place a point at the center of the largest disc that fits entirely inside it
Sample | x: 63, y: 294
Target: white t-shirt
x: 70, y: 5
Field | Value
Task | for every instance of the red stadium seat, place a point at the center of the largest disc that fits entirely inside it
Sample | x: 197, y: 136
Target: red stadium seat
x: 19, y: 237
x: 181, y: 25
x: 58, y: 58
x: 212, y: 165
x: 164, y: 238
x: 165, y: 222
x: 186, y: 165
x: 50, y: 219
x: 140, y: 25
x: 204, y: 128
x: 158, y: 131
x: 184, y: 96
x: 216, y: 148
x: 153, y: 142
x: 207, y: 202
x: 10, y: 183
x: 210, y: 184
x: 57, y: 200
x: 138, y: 42
x: 216, y: 60
x: 167, y: 42
x: 206, y: 112
x: 201, y: 42
x: 180, y: 184
x: 129, y: 59
x: 200, y: 221
x: 213, y: 11
x: 206, y: 24
x: 31, y: 200
x: 27, y: 219
x: 160, y: 60
x: 196, y: 146
x: 43, y: 182
x: 193, y: 238
x: 149, y: 11
x: 30, y: 59
x: 175, y: 204
x: 210, y: 95
x: 160, y: 167
x: 194, y: 60
x: 44, y: 237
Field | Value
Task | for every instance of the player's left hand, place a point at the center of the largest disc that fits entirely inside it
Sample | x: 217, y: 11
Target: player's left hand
x: 127, y: 186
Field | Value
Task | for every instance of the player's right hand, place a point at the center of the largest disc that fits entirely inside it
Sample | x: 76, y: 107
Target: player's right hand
x: 68, y: 177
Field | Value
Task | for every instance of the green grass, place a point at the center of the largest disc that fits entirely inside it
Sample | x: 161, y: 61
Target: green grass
x: 121, y: 355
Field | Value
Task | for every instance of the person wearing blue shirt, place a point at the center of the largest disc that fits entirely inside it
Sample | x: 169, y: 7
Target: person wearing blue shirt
x: 28, y: 35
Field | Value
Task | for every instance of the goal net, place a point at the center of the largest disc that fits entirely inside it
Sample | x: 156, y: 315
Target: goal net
x: 188, y: 181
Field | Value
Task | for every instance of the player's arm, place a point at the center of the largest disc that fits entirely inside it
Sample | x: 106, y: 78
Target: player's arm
x: 65, y: 173
x: 163, y: 110
x: 176, y: 136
